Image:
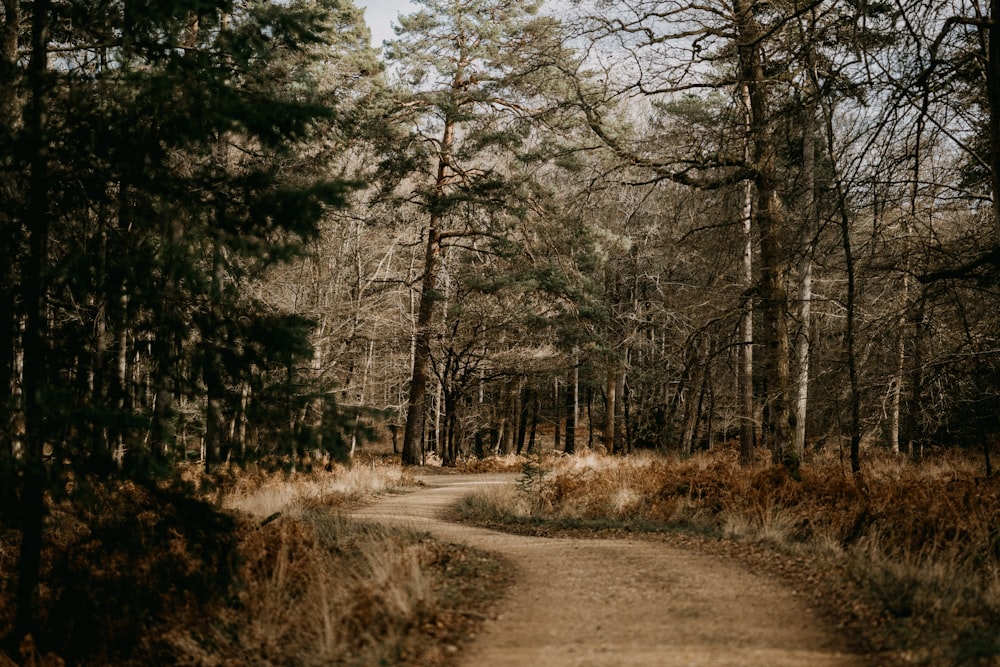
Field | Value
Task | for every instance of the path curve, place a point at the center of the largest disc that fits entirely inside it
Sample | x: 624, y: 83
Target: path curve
x: 620, y: 602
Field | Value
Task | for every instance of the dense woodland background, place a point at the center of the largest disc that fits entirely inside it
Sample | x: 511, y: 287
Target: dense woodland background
x: 233, y: 231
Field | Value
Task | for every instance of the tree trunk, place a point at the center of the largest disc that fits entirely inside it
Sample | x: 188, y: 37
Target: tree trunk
x: 425, y: 311
x: 590, y: 417
x: 9, y: 242
x: 422, y: 351
x: 523, y: 406
x: 773, y: 295
x: 576, y: 387
x: 849, y: 330
x: 993, y: 95
x: 692, y: 411
x: 570, y: 447
x: 809, y: 230
x: 611, y: 407
x: 557, y: 409
x: 509, y: 420
x: 37, y: 223
x: 748, y: 418
x: 536, y: 406
x: 215, y: 425
x: 449, y: 446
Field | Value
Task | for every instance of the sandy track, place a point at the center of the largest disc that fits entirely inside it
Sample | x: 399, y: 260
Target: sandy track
x: 603, y: 602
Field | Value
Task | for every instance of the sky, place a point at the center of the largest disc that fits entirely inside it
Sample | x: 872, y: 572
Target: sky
x: 381, y: 14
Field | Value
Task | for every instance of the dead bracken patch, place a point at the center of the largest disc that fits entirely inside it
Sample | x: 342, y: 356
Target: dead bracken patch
x: 906, y: 556
x: 139, y: 575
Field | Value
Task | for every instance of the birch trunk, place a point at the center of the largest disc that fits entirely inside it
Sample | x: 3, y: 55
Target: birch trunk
x: 748, y: 421
x: 802, y: 343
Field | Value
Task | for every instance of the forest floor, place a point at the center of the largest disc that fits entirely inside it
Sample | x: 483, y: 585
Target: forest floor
x: 623, y: 600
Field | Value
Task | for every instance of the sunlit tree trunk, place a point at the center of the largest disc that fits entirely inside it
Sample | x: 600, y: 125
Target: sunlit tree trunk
x: 809, y: 230
x: 748, y: 420
x: 417, y: 407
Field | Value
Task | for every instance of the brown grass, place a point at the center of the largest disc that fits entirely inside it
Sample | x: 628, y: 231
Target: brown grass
x: 268, y: 573
x: 913, y: 549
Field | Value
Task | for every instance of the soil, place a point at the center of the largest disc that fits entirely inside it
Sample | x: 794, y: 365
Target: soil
x: 591, y: 602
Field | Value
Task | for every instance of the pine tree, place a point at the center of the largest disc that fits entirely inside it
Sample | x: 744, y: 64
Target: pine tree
x: 479, y: 77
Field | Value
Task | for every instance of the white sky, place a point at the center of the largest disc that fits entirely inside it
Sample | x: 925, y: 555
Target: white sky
x: 381, y: 14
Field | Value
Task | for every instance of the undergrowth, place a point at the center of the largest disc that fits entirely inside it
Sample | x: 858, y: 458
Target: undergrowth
x: 919, y: 541
x: 255, y: 568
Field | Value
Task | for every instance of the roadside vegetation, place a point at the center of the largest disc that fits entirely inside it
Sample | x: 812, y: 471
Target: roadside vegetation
x: 905, y: 557
x: 254, y: 568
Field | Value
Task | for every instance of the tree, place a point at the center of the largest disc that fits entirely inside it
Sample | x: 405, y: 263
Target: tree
x: 480, y: 77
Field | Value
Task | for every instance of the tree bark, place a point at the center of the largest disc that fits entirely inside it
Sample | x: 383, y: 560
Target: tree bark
x: 536, y: 406
x: 773, y: 294
x: 522, y: 411
x: 9, y: 241
x: 425, y: 311
x: 611, y: 407
x: 803, y: 340
x: 557, y: 409
x: 422, y: 351
x: 849, y: 331
x: 37, y: 222
x: 748, y: 421
x: 570, y: 447
x: 993, y: 95
x: 211, y: 375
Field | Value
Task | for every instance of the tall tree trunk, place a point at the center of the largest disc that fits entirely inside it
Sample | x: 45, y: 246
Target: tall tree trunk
x: 773, y: 294
x: 748, y: 418
x: 9, y: 241
x: 420, y: 374
x: 215, y: 426
x: 910, y: 429
x: 898, y: 388
x: 37, y: 222
x: 809, y: 230
x: 425, y: 311
x: 849, y: 330
x: 993, y: 95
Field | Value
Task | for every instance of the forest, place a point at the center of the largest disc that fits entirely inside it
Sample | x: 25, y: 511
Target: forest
x: 234, y: 233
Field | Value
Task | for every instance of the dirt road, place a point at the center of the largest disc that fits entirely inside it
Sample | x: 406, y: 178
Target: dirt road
x: 598, y: 602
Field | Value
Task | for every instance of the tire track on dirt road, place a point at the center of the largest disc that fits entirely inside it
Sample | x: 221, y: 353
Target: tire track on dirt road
x: 621, y: 602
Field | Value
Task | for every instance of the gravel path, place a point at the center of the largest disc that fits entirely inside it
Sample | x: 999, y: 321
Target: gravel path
x: 618, y: 602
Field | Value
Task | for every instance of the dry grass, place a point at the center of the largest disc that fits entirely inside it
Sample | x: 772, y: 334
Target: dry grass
x: 916, y: 544
x: 136, y: 576
x: 498, y: 463
x: 263, y: 493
